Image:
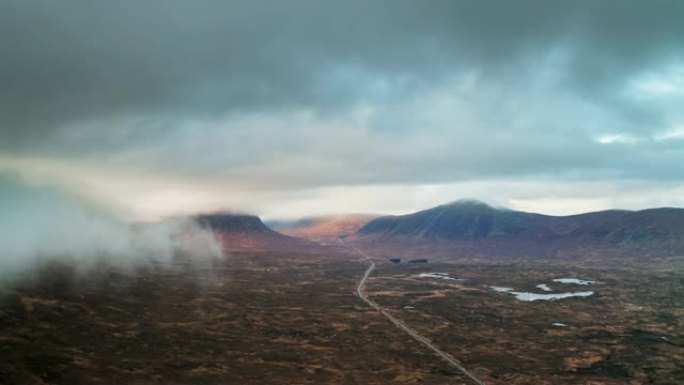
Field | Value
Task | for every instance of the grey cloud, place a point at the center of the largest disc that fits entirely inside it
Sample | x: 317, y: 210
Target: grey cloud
x: 164, y: 85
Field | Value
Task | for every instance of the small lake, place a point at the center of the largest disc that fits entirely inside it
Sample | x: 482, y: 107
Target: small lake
x: 438, y: 276
x: 529, y: 297
x: 574, y: 281
x: 544, y: 287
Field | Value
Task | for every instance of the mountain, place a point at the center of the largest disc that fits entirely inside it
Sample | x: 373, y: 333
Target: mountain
x: 467, y: 227
x: 324, y: 229
x: 486, y: 230
x: 240, y: 232
x: 460, y: 220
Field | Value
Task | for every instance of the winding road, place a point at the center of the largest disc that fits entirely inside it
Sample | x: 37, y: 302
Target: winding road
x: 361, y: 291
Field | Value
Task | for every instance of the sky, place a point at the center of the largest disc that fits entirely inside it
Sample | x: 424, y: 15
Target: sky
x: 286, y: 109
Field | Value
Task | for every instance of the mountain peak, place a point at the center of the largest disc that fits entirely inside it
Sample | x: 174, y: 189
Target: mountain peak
x: 467, y: 202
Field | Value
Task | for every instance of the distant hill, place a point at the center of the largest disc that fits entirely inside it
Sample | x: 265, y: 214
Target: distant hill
x: 240, y: 232
x: 486, y: 230
x: 326, y: 228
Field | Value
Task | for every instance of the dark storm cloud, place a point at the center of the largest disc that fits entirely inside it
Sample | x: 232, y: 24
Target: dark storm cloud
x: 124, y: 78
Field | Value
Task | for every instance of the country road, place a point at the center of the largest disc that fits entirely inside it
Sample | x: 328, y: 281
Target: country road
x: 360, y: 290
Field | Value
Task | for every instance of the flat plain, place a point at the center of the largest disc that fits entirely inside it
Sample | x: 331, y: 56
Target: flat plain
x: 295, y: 318
x: 629, y: 331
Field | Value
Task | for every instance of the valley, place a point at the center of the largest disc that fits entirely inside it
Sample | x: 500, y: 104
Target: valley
x: 278, y: 309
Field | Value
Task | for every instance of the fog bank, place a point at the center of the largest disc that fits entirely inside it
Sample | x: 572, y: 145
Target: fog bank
x: 40, y: 223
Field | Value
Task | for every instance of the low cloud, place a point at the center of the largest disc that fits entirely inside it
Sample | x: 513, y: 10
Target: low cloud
x: 40, y: 224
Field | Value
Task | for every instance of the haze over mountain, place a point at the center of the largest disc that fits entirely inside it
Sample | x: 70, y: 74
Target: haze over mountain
x: 326, y: 228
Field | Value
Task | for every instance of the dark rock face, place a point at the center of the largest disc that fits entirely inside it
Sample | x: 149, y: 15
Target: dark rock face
x: 233, y: 223
x: 240, y: 232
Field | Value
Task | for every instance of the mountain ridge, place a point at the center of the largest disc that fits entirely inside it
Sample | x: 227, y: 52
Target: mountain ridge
x: 477, y: 224
x: 474, y: 225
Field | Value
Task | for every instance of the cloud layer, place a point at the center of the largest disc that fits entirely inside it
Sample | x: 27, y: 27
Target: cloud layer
x: 219, y: 104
